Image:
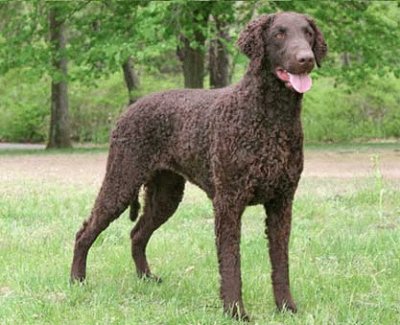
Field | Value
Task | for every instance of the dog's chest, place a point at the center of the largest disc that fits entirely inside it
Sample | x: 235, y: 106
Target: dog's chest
x: 276, y: 171
x: 278, y: 160
x: 266, y: 160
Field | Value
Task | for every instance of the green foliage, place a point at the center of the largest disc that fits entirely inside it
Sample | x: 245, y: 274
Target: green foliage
x: 23, y: 108
x: 111, y: 31
x: 94, y: 110
x: 356, y: 99
x: 333, y: 113
x: 101, y: 36
x: 24, y: 40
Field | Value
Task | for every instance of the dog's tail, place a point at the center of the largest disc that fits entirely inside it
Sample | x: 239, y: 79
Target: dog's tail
x: 135, y: 207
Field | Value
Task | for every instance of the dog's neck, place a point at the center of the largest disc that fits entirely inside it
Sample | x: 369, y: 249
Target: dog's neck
x: 271, y: 94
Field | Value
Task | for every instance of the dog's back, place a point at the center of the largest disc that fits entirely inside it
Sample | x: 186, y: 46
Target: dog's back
x: 171, y: 130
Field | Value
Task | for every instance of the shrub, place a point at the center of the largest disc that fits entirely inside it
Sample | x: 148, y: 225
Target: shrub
x: 334, y: 113
x: 24, y: 108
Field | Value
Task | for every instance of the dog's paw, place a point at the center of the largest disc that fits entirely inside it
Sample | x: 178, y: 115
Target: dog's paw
x: 77, y: 277
x: 150, y: 277
x: 77, y: 280
x: 287, y: 306
x: 237, y: 313
x: 242, y: 317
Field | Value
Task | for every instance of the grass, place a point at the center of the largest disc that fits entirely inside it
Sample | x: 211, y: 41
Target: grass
x: 345, y: 264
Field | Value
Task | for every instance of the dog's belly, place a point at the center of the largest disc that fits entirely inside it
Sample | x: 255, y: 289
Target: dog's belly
x: 284, y: 185
x: 195, y: 171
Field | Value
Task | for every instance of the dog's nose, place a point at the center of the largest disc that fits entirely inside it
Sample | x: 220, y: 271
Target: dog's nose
x: 305, y: 58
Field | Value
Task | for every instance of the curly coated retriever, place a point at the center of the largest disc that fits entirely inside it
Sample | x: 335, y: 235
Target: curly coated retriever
x: 242, y: 145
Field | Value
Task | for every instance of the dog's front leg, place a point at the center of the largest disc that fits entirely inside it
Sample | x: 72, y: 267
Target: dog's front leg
x: 279, y: 215
x: 227, y: 229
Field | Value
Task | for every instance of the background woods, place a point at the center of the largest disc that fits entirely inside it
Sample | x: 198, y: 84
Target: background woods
x: 67, y: 69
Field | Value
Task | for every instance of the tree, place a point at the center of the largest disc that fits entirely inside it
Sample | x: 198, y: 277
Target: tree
x: 111, y: 36
x: 218, y: 56
x: 116, y: 35
x: 130, y: 77
x: 59, y: 136
x: 221, y: 19
x: 193, y: 22
x: 93, y: 35
x: 35, y: 37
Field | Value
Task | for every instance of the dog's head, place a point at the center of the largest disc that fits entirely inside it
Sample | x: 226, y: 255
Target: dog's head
x: 290, y: 42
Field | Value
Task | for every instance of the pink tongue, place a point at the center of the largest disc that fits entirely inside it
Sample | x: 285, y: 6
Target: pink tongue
x: 300, y: 82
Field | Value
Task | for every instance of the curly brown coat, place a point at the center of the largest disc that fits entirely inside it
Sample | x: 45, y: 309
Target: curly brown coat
x: 242, y: 145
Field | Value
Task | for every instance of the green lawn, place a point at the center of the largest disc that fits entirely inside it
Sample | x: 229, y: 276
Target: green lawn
x: 345, y: 258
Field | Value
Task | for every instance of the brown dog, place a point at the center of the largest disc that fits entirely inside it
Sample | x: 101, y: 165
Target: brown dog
x: 241, y: 144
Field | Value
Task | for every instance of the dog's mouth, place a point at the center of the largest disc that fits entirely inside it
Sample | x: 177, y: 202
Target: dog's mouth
x: 299, y: 82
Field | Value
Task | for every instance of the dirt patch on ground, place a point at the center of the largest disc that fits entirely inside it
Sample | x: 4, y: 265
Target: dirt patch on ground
x: 349, y: 164
x: 19, y: 146
x: 74, y: 169
x: 88, y: 169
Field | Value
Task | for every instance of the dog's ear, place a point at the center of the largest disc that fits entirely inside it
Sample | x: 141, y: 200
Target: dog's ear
x: 252, y: 39
x: 320, y: 47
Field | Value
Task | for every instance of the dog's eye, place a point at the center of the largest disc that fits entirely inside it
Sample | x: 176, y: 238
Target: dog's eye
x: 309, y: 34
x: 280, y: 35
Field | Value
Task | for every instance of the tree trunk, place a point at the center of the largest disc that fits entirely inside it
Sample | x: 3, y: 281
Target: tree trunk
x: 219, y: 57
x: 131, y: 78
x: 192, y: 62
x: 59, y: 136
x: 192, y: 57
x: 346, y: 59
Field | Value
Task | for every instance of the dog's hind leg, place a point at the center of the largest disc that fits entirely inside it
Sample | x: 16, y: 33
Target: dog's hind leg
x: 163, y: 193
x: 135, y: 207
x: 121, y: 183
